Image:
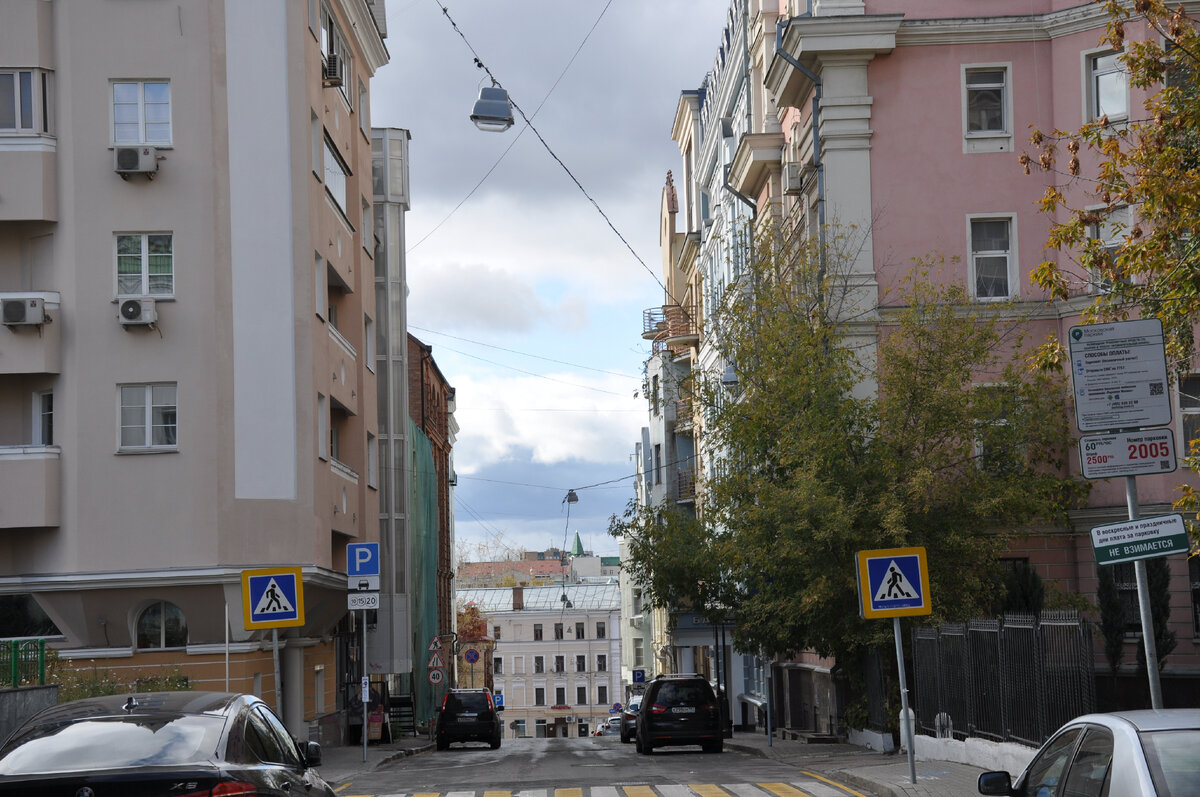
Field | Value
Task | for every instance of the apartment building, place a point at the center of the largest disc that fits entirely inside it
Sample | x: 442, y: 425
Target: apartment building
x: 904, y: 120
x: 556, y: 654
x: 187, y: 372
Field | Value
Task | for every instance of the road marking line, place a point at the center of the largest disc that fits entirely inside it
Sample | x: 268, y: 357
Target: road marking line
x: 708, y: 790
x: 497, y: 794
x: 674, y: 790
x: 834, y: 783
x: 784, y: 790
x: 605, y: 791
x: 568, y: 792
x: 744, y: 789
x: 639, y: 791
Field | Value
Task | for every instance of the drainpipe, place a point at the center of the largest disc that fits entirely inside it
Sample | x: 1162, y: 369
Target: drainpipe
x: 816, y: 125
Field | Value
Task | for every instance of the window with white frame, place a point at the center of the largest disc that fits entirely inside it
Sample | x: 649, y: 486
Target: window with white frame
x: 145, y: 264
x: 372, y: 461
x: 602, y: 695
x: 24, y: 101
x: 317, y: 140
x: 322, y: 427
x: 600, y: 631
x: 148, y: 416
x: 368, y: 237
x: 1109, y: 232
x: 601, y: 663
x: 1189, y: 411
x: 497, y: 665
x: 581, y: 695
x: 364, y: 105
x: 992, y: 261
x: 560, y: 695
x: 320, y: 298
x: 987, y: 108
x: 43, y: 418
x: 334, y: 43
x: 335, y: 177
x: 1107, y: 86
x: 141, y: 112
x: 161, y: 625
x: 639, y: 652
x: 369, y: 343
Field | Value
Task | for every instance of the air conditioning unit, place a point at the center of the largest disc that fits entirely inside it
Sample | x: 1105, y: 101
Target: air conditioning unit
x: 569, y: 718
x: 135, y: 312
x: 793, y: 178
x: 135, y: 160
x: 330, y: 73
x: 17, y: 312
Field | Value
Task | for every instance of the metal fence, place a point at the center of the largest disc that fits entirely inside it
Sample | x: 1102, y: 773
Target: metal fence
x: 1017, y: 678
x: 22, y: 662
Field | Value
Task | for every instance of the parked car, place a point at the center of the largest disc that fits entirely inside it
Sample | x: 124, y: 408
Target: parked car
x: 679, y: 709
x: 1126, y: 753
x: 469, y: 715
x: 629, y: 719
x: 178, y: 743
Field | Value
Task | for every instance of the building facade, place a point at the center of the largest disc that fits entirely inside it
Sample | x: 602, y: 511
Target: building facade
x: 189, y: 389
x: 556, y: 655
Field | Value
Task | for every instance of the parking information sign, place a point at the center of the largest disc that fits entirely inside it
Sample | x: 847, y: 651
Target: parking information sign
x: 1119, y: 375
x: 272, y: 598
x: 893, y: 582
x: 362, y: 566
x: 1105, y: 456
x: 1142, y: 538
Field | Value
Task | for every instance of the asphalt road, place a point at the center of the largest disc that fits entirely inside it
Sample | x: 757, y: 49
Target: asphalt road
x: 596, y: 766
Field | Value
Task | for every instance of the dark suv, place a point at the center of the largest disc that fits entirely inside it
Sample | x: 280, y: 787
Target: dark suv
x: 679, y: 709
x: 469, y: 715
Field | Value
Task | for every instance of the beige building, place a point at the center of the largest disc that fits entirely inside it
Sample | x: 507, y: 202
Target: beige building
x: 187, y: 385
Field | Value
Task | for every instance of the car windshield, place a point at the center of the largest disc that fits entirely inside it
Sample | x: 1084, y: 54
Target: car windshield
x: 1174, y: 764
x: 112, y: 742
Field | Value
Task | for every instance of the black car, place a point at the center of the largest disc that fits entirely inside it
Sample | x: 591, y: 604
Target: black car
x: 629, y: 718
x: 469, y: 715
x: 679, y: 709
x: 182, y: 744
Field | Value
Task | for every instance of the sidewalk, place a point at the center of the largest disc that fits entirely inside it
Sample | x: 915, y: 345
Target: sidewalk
x: 884, y: 774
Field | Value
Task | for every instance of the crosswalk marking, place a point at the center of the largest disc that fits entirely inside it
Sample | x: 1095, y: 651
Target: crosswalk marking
x: 814, y: 786
x: 568, y: 792
x: 673, y: 790
x: 605, y: 791
x: 784, y: 790
x: 708, y: 790
x: 639, y: 791
x: 497, y: 794
x: 744, y: 790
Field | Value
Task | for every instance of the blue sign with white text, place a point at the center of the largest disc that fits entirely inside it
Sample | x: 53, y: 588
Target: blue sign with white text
x: 895, y: 582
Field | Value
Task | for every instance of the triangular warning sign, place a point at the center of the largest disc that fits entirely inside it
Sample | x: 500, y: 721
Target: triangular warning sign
x: 274, y: 601
x: 435, y: 644
x: 894, y: 586
x: 435, y: 662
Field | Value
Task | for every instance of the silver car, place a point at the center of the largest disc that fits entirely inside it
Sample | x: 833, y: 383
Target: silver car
x: 1123, y: 754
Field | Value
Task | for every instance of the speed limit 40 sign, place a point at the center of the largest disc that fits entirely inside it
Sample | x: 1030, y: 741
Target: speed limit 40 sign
x: 436, y: 676
x: 1105, y: 456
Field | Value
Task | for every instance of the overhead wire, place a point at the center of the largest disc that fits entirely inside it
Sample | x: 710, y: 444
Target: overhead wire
x: 523, y: 354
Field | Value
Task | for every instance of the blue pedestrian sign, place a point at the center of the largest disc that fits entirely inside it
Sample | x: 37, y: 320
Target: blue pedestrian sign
x: 272, y: 598
x: 893, y: 582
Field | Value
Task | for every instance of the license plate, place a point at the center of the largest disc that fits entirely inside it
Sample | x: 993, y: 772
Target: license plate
x: 467, y: 716
x: 684, y: 710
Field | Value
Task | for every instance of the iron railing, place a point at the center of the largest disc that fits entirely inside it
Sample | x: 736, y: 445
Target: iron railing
x: 1012, y: 679
x: 22, y: 662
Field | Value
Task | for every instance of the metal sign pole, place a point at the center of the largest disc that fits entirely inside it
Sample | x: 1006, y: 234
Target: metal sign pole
x: 906, y: 724
x: 366, y: 687
x: 275, y: 659
x: 1143, y: 589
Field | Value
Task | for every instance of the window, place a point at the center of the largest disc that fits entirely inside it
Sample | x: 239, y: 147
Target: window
x: 996, y: 451
x: 558, y: 630
x: 1089, y: 768
x: 148, y: 416
x: 539, y: 664
x: 987, y: 108
x: 497, y: 666
x: 539, y: 696
x: 322, y: 427
x: 1110, y: 233
x: 334, y: 43
x: 537, y: 632
x: 602, y: 663
x: 1107, y: 89
x: 24, y: 101
x: 639, y: 653
x: 579, y: 631
x: 519, y: 727
x: 372, y: 461
x: 336, y: 173
x: 658, y: 463
x: 320, y: 299
x: 560, y: 663
x: 560, y: 696
x: 991, y: 260
x: 1194, y: 578
x: 581, y: 664
x: 161, y: 625
x: 141, y: 112
x: 637, y: 601
x: 364, y: 105
x: 316, y: 139
x: 602, y: 695
x: 1189, y: 411
x: 43, y: 418
x: 496, y: 633
x: 145, y: 264
x: 1047, y: 770
x: 600, y: 630
x: 581, y: 695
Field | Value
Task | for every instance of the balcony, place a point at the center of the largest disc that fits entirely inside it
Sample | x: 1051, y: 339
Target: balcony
x: 29, y: 487
x: 343, y: 366
x: 686, y: 486
x: 682, y: 329
x: 32, y: 348
x: 684, y: 422
x: 654, y: 323
x: 343, y: 488
x: 30, y: 168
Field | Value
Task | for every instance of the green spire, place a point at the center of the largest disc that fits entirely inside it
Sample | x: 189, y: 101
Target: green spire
x: 577, y: 546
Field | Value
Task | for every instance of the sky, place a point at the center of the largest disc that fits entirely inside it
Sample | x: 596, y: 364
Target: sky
x: 531, y: 301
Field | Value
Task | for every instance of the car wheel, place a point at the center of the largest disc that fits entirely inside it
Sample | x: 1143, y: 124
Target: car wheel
x: 495, y: 742
x: 714, y: 747
x: 624, y: 738
x: 442, y: 744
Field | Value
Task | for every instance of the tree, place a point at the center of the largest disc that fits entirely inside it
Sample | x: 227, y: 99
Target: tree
x: 815, y: 466
x: 1150, y: 163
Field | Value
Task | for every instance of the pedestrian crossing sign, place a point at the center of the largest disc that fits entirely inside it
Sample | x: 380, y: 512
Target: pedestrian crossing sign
x: 272, y: 598
x: 893, y: 582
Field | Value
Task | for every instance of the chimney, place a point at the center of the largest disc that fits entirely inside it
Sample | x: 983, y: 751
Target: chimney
x: 518, y: 598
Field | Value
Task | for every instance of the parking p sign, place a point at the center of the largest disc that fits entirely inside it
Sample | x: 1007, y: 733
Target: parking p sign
x: 362, y: 566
